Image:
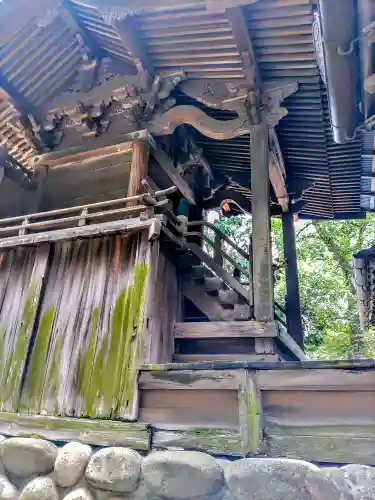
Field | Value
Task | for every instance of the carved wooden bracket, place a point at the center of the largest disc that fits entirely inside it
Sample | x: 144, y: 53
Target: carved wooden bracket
x: 166, y: 123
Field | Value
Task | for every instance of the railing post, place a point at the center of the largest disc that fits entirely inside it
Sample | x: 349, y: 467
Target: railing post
x: 218, y: 256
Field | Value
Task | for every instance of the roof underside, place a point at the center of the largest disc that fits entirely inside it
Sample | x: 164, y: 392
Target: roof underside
x: 201, y: 43
x: 281, y: 30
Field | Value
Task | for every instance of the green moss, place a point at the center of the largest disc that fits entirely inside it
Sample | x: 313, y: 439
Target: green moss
x: 32, y: 392
x: 106, y: 380
x: 133, y: 340
x: 86, y: 359
x: 9, y: 394
x: 52, y: 380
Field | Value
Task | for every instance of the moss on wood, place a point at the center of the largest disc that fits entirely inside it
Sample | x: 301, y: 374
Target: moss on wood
x: 33, y: 389
x: 13, y: 370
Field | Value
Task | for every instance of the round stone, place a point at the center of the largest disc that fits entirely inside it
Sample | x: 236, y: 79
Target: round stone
x: 71, y: 462
x: 41, y: 488
x: 338, y: 477
x: 7, y: 490
x: 25, y: 457
x: 79, y: 494
x: 182, y: 474
x: 362, y: 481
x: 114, y: 469
x: 279, y: 479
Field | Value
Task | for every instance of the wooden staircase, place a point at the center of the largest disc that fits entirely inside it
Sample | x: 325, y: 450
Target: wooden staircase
x: 214, y: 297
x: 220, y: 287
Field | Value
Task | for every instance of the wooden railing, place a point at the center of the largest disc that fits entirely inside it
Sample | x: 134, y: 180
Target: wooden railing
x: 216, y: 258
x: 220, y: 257
x: 79, y: 216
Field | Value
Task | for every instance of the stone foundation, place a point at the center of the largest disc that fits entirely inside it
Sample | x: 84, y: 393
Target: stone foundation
x: 36, y: 469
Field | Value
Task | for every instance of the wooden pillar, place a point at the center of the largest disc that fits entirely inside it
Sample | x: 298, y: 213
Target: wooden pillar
x: 261, y: 235
x: 37, y: 194
x: 139, y: 167
x: 293, y: 306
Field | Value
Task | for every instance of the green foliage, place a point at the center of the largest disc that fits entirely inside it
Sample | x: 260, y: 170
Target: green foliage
x: 328, y: 301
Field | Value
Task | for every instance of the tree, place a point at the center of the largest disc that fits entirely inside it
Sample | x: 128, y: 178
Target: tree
x: 328, y: 299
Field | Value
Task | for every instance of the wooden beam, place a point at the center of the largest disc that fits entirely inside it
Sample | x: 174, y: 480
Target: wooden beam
x: 93, y: 432
x: 197, y: 358
x: 261, y: 236
x: 105, y: 228
x: 317, y: 379
x: 293, y: 306
x: 252, y: 74
x: 170, y: 170
x: 292, y: 345
x: 245, y: 47
x: 351, y: 444
x: 190, y: 380
x: 139, y: 167
x: 277, y: 171
x: 225, y: 329
x: 217, y: 441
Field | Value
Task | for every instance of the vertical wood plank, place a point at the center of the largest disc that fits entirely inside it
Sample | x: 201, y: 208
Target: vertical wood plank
x: 86, y: 352
x: 261, y: 237
x: 139, y: 167
x: 17, y: 318
x: 250, y: 412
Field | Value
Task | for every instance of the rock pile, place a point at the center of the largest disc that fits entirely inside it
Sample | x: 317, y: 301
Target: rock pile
x: 36, y: 469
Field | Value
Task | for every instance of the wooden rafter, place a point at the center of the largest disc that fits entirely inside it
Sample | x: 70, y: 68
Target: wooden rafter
x: 127, y: 31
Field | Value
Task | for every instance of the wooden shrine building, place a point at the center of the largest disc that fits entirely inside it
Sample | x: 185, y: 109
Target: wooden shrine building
x: 126, y: 317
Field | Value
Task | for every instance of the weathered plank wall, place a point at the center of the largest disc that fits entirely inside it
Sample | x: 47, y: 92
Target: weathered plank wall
x: 22, y: 271
x: 88, y: 181
x: 73, y: 346
x: 14, y: 199
x: 300, y: 410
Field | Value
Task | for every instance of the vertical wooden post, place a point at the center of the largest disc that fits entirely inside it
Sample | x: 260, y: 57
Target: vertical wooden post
x: 293, y: 306
x: 37, y: 199
x: 139, y: 167
x: 261, y: 235
x: 250, y: 412
x: 218, y: 256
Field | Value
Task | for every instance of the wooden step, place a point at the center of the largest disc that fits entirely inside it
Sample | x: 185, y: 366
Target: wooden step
x: 201, y: 358
x: 212, y: 284
x: 225, y: 329
x: 228, y: 297
x: 208, y: 305
x: 200, y: 273
x: 242, y: 312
